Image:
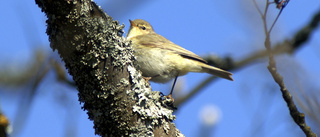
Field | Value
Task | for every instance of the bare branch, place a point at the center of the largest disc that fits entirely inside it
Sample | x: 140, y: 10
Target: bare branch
x: 287, y: 46
x: 298, y: 117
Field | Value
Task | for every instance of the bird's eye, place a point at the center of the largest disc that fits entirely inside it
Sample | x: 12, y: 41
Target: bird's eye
x: 144, y: 28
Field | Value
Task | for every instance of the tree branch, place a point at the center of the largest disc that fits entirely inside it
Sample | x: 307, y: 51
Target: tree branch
x: 117, y: 98
x: 287, y: 46
x: 298, y: 117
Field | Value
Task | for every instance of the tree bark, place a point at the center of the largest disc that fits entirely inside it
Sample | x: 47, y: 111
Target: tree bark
x: 118, y: 100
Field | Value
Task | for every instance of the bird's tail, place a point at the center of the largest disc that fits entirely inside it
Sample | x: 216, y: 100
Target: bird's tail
x: 217, y: 72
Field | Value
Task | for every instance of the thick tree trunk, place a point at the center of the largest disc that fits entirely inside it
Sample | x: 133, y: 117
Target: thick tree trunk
x: 117, y: 98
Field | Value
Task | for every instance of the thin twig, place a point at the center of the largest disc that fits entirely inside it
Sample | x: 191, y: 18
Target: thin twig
x: 256, y: 6
x: 298, y: 117
x: 275, y: 20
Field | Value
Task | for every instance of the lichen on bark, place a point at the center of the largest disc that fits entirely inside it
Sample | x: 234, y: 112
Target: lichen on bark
x: 118, y: 100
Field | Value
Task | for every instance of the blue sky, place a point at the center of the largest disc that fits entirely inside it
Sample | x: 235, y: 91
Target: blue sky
x: 250, y: 106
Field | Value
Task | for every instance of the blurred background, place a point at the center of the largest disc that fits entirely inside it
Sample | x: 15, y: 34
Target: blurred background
x: 39, y: 98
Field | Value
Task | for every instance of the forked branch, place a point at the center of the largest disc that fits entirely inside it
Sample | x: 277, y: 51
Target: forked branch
x: 297, y: 116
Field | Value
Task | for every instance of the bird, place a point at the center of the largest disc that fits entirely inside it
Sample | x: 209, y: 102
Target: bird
x: 161, y: 60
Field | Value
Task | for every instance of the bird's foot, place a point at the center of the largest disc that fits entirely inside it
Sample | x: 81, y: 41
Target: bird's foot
x: 168, y: 100
x: 147, y: 79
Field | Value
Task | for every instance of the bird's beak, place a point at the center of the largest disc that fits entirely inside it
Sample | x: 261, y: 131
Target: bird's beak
x: 132, y: 24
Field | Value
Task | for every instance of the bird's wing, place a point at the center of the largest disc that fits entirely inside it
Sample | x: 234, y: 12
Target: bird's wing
x: 158, y: 41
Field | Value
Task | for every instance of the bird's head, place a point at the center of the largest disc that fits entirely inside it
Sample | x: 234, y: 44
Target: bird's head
x: 139, y: 27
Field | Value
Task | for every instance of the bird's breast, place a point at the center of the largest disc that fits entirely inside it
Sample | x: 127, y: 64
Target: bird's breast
x: 162, y: 65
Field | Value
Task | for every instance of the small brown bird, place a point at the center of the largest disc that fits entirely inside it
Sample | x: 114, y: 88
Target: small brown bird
x: 162, y: 60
